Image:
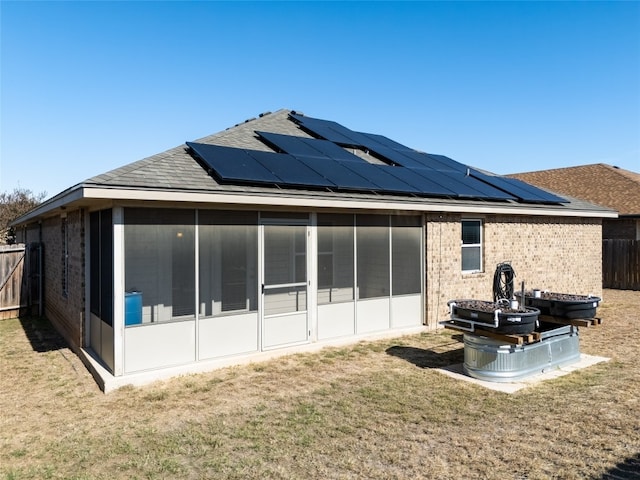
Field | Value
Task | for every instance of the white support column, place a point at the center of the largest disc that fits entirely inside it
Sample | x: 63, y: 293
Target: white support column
x: 196, y: 274
x: 118, y: 291
x: 312, y: 277
x: 423, y: 263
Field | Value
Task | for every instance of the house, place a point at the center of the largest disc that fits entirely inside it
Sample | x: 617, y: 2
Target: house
x: 611, y: 187
x: 602, y: 184
x: 287, y: 233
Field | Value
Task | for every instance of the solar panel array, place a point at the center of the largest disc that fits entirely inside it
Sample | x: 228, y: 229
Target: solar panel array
x: 324, y: 162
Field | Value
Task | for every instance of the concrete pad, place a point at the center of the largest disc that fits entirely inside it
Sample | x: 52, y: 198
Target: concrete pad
x: 456, y: 371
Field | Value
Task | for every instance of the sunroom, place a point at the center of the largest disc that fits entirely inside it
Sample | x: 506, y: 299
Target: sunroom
x: 194, y: 285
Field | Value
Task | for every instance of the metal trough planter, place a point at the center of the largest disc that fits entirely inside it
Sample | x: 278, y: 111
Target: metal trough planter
x: 494, y: 316
x: 493, y: 360
x: 563, y: 305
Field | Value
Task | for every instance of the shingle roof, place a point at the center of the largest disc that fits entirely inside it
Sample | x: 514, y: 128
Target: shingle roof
x: 598, y: 183
x: 181, y: 176
x: 176, y: 169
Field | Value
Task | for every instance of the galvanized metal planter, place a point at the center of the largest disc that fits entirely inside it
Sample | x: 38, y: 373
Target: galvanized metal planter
x: 495, y: 361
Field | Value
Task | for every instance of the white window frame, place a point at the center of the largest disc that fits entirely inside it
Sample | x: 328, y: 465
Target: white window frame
x: 471, y: 245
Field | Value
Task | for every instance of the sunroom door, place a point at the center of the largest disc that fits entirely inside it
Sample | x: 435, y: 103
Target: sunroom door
x: 284, y: 283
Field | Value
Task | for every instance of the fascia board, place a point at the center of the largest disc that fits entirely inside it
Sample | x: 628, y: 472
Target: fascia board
x: 77, y: 194
x: 260, y: 199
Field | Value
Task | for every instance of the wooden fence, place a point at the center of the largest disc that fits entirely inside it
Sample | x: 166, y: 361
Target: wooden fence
x: 12, y: 280
x: 621, y: 264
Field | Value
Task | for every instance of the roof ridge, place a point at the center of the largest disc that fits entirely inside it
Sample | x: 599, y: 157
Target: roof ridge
x: 628, y: 174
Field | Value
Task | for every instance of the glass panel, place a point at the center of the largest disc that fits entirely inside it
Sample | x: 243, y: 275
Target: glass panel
x: 373, y: 255
x: 228, y: 262
x: 471, y: 258
x: 470, y: 232
x: 285, y: 254
x: 406, y: 239
x: 335, y: 258
x: 285, y: 300
x: 160, y: 262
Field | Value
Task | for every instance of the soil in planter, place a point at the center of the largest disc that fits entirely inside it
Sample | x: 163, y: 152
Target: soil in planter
x: 563, y: 297
x: 564, y: 305
x: 484, y: 306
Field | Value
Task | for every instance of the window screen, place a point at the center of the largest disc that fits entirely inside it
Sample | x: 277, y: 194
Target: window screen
x: 406, y: 238
x: 228, y: 262
x: 101, y: 265
x: 372, y: 233
x: 160, y: 262
x: 335, y: 258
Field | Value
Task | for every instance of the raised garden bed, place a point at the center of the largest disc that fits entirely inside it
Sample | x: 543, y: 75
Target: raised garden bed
x: 496, y: 316
x: 563, y: 305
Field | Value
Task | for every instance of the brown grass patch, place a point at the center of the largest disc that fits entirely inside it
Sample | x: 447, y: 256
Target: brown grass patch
x: 372, y: 410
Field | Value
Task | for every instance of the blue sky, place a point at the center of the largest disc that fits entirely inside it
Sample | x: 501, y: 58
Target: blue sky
x: 503, y: 86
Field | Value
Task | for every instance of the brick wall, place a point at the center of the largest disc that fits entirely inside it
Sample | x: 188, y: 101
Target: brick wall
x: 559, y: 254
x: 65, y: 309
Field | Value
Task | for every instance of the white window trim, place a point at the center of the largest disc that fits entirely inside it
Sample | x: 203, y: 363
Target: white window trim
x: 472, y: 245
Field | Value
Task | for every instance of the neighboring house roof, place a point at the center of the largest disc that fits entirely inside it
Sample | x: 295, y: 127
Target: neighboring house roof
x: 177, y: 176
x: 598, y: 183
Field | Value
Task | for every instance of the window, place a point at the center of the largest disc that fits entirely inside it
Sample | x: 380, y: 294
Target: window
x: 471, y: 246
x: 335, y: 258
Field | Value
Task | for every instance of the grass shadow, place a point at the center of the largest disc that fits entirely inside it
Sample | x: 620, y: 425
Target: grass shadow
x: 627, y: 470
x: 427, y: 358
x: 42, y: 335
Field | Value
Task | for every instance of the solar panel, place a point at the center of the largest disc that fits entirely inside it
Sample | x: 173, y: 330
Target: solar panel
x: 289, y: 170
x: 464, y: 185
x: 395, y: 156
x: 436, y: 162
x: 332, y: 131
x: 386, y: 142
x: 422, y: 184
x: 233, y: 164
x: 308, y: 147
x: 377, y: 175
x: 290, y: 144
x: 338, y: 174
x: 326, y: 163
x: 522, y: 190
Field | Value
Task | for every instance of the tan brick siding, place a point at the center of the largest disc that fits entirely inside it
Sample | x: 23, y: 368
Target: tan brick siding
x: 554, y: 253
x: 65, y: 311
